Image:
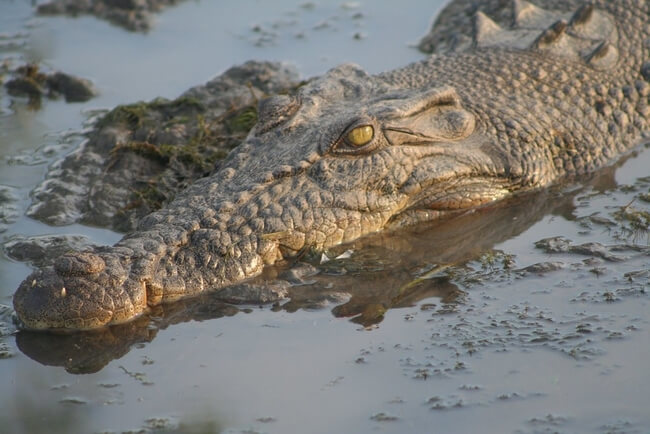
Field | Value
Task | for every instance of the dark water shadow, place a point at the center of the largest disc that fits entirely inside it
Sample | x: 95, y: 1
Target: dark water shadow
x: 383, y: 271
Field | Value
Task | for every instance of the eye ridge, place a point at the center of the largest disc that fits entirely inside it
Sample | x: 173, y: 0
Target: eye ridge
x: 275, y: 110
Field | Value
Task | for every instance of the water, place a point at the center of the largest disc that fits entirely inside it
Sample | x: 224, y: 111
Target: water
x: 447, y: 334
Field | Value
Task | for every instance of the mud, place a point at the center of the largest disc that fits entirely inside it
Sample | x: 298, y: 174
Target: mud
x: 30, y: 82
x: 133, y: 15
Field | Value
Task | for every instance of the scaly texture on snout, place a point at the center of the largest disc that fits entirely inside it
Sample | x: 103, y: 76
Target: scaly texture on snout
x: 81, y: 291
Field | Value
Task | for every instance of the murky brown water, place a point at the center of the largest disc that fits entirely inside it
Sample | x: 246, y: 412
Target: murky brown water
x: 441, y: 328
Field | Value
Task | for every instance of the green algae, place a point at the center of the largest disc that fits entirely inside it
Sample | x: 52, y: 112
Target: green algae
x: 149, y: 196
x: 242, y: 121
x: 634, y: 221
x: 208, y: 141
x: 144, y: 149
x: 137, y: 114
x: 493, y: 260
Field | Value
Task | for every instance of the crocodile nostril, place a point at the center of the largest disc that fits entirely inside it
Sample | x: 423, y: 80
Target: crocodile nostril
x: 76, y: 264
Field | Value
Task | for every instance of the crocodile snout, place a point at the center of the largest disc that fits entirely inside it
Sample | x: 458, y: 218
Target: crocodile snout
x: 78, y: 293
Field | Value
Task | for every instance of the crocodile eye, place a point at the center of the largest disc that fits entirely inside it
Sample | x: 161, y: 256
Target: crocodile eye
x: 361, y: 136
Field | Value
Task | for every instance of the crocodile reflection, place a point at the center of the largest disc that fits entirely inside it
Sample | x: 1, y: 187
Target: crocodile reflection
x: 384, y: 271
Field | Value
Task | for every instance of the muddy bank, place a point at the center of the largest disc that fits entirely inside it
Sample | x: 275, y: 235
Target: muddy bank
x: 133, y: 15
x: 32, y: 82
x: 138, y: 156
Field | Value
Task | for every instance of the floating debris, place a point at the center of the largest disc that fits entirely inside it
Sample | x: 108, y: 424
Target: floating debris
x: 73, y: 400
x: 384, y: 417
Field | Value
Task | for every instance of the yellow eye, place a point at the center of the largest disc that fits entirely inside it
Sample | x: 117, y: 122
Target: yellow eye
x: 361, y: 135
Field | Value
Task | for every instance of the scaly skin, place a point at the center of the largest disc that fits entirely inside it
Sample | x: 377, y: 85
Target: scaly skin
x: 443, y: 135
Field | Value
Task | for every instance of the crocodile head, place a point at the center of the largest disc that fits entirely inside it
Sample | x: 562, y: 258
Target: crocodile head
x: 348, y: 155
x: 362, y: 155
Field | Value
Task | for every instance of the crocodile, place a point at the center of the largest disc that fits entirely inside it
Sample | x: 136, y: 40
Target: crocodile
x: 541, y: 92
x: 378, y: 276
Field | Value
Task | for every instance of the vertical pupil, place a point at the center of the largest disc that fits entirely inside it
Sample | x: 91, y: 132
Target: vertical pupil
x: 361, y: 135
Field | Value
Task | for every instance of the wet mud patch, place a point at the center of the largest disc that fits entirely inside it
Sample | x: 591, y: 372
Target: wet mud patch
x: 9, y: 210
x: 6, y: 329
x: 32, y: 82
x: 308, y: 19
x: 42, y: 251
